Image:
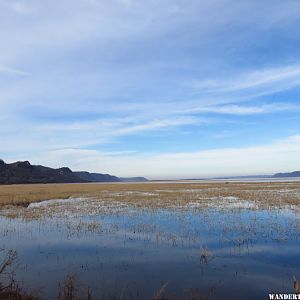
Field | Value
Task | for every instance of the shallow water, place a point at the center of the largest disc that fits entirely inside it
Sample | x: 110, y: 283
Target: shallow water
x: 229, y: 252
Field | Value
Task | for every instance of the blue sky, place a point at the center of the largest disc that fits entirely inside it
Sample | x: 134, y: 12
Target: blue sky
x: 163, y: 89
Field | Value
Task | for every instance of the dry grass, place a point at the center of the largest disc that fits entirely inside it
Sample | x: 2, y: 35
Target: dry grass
x: 11, y: 290
x: 71, y: 290
x: 155, y: 194
x: 205, y: 255
x: 160, y: 293
x: 296, y: 285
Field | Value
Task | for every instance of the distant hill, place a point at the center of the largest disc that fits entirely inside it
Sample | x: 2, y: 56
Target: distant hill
x: 245, y: 177
x: 134, y: 179
x: 290, y: 174
x: 23, y: 172
x: 97, y: 177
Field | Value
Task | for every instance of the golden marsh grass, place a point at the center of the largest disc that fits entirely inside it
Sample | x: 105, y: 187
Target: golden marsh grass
x: 156, y: 195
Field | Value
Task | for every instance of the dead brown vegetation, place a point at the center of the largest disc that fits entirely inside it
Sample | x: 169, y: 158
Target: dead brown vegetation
x: 155, y: 194
x: 9, y: 288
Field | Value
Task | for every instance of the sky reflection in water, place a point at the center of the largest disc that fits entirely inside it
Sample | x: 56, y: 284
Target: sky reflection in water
x: 230, y: 253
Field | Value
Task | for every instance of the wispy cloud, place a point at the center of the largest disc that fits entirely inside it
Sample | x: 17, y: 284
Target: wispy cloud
x: 82, y: 134
x: 234, y: 109
x: 253, y: 83
x: 159, y: 124
x: 12, y: 71
x: 20, y: 7
x: 214, y: 162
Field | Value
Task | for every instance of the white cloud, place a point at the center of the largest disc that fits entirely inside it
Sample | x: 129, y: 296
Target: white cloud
x: 81, y: 134
x: 12, y: 71
x: 21, y: 7
x: 281, y: 155
x: 253, y: 83
x: 158, y: 124
x: 234, y: 109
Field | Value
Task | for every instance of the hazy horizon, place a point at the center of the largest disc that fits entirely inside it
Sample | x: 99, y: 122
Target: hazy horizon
x: 157, y: 89
x: 216, y: 176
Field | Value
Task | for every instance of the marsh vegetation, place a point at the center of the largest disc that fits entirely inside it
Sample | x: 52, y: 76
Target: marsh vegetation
x: 151, y: 241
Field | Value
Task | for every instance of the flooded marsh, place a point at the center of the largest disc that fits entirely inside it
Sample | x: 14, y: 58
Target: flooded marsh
x: 151, y: 241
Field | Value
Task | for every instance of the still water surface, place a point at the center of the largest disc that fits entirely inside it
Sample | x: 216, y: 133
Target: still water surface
x: 233, y: 252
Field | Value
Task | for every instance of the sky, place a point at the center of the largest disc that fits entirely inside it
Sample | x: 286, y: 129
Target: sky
x: 162, y: 89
